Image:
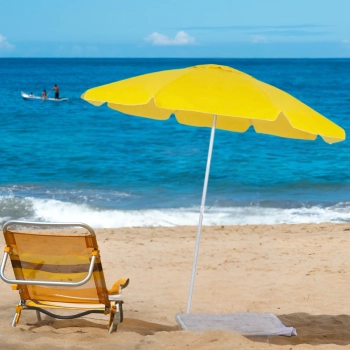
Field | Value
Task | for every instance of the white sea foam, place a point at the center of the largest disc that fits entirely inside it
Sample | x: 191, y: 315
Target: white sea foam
x: 58, y: 211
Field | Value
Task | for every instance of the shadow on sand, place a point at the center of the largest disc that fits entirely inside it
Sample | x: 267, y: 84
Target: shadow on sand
x: 144, y: 327
x: 128, y: 325
x: 313, y: 330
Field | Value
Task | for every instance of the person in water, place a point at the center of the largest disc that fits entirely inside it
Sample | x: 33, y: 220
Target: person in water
x: 44, y: 95
x: 57, y: 92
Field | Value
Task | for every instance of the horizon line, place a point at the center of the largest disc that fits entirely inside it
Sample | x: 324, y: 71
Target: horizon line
x: 170, y: 57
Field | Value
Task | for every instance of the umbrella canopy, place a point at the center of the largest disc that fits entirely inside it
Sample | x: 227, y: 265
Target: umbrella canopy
x: 217, y: 97
x: 197, y: 93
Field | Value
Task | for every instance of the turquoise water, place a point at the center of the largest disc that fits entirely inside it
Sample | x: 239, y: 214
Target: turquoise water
x: 72, y: 161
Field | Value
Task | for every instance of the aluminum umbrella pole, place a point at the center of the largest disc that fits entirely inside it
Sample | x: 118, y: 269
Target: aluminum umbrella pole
x: 204, y: 195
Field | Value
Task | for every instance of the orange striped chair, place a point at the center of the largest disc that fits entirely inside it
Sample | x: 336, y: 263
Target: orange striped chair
x: 59, y: 271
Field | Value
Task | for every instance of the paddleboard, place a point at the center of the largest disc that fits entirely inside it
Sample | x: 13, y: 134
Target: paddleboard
x: 28, y: 97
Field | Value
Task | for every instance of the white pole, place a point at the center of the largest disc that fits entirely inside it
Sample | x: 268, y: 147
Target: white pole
x: 204, y: 195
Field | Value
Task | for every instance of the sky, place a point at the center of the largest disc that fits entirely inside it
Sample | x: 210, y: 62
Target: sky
x: 181, y: 28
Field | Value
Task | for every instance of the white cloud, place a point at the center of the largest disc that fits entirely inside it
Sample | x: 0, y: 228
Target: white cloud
x: 257, y: 39
x: 181, y: 38
x: 4, y: 44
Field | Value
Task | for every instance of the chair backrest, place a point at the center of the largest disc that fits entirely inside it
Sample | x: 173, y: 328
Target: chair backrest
x: 56, y: 257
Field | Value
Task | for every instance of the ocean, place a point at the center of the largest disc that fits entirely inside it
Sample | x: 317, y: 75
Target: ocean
x: 72, y: 161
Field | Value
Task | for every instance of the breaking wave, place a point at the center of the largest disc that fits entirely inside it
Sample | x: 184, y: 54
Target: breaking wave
x: 51, y: 210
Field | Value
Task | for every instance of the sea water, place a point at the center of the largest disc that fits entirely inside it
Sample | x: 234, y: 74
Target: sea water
x: 72, y: 161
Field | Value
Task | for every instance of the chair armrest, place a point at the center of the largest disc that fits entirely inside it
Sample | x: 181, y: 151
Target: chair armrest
x: 118, y: 286
x: 46, y: 283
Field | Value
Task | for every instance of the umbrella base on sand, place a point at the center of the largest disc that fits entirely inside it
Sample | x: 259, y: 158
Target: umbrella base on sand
x: 248, y: 324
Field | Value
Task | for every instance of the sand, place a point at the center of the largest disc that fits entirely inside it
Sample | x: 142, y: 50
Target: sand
x: 300, y: 273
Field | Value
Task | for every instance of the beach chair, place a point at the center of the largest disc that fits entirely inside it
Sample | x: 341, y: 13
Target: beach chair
x: 59, y: 271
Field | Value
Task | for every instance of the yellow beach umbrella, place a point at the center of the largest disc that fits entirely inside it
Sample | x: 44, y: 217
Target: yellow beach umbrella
x: 217, y: 97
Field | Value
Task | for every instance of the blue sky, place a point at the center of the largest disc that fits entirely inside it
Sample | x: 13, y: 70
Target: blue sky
x: 181, y: 28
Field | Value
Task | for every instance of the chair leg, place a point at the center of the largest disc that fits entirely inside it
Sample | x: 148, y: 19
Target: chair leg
x: 38, y: 315
x: 17, y: 315
x: 13, y: 323
x: 116, y: 316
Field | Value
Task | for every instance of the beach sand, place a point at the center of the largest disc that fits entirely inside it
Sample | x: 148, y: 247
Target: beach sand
x: 300, y: 273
